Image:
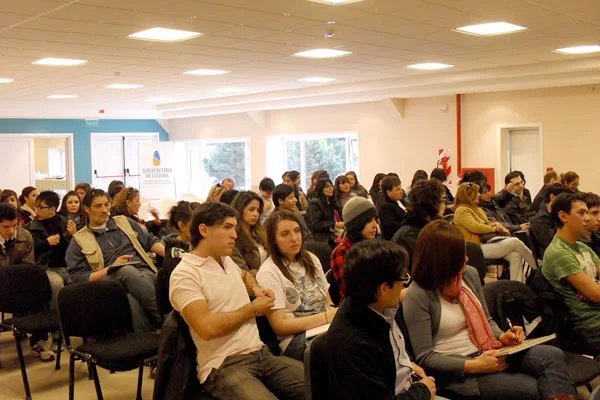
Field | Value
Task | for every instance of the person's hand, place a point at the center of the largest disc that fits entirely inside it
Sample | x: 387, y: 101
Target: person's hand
x: 339, y: 224
x: 505, y: 231
x: 429, y: 381
x: 513, y: 336
x: 418, y: 370
x: 497, y: 226
x: 154, y: 213
x: 510, y: 187
x: 524, y: 226
x: 54, y: 239
x: 262, y: 305
x: 487, y: 363
x: 269, y: 205
x: 71, y: 228
x: 257, y: 291
x: 123, y: 259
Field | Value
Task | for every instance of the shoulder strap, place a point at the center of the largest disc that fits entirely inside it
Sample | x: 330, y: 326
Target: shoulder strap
x: 123, y: 224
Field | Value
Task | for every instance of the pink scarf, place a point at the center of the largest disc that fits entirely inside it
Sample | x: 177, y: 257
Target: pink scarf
x: 479, y: 328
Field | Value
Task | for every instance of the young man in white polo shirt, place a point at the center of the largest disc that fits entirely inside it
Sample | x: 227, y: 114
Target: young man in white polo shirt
x: 213, y: 295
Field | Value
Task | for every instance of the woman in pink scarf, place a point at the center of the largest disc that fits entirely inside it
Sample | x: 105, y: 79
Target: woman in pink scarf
x: 454, y: 338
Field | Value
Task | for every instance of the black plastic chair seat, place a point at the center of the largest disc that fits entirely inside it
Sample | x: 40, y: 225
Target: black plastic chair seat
x: 42, y: 322
x: 133, y: 347
x: 582, y: 369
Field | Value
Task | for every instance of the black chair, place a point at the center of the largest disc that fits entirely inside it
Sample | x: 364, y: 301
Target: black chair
x: 582, y: 369
x: 334, y: 288
x: 535, y: 247
x: 322, y: 251
x: 25, y: 291
x: 100, y: 311
x: 161, y: 290
x: 316, y: 375
x: 476, y: 260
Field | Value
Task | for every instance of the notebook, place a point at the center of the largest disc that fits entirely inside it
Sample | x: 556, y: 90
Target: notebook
x: 527, y: 344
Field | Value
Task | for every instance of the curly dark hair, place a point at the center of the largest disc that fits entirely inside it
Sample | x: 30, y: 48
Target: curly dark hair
x: 425, y: 199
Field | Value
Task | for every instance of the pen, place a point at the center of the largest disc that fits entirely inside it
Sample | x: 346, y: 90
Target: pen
x: 510, y: 325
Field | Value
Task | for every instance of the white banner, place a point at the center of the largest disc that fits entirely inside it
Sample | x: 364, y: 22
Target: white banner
x: 157, y: 175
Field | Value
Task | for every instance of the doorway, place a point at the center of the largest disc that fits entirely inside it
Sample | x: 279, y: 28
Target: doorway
x: 521, y: 150
x: 115, y: 156
x: 44, y: 161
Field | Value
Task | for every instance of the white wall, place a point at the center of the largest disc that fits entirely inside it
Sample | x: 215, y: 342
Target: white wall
x: 387, y: 142
x: 570, y: 120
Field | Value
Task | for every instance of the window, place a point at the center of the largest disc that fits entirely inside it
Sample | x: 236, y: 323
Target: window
x: 335, y: 153
x: 207, y: 162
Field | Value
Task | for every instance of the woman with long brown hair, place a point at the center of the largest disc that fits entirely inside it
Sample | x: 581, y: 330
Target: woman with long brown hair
x: 476, y: 227
x: 72, y: 209
x: 455, y: 339
x: 250, y: 249
x: 297, y: 279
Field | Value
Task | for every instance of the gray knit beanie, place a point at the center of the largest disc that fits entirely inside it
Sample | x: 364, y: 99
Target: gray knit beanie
x: 357, y: 212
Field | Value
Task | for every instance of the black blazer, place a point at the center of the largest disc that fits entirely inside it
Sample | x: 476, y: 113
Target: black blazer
x: 322, y: 220
x: 360, y: 358
x: 390, y: 216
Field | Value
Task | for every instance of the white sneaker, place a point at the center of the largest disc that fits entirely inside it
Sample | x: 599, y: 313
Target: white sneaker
x: 42, y: 350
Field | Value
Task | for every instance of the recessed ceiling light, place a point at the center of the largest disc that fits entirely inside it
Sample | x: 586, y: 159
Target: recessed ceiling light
x: 62, y: 96
x: 322, y: 53
x: 316, y: 79
x: 430, y: 66
x: 230, y: 90
x: 336, y: 2
x: 6, y: 80
x: 159, y: 99
x: 207, y: 72
x: 62, y: 62
x: 164, y: 35
x: 490, y: 29
x: 579, y: 49
x: 122, y: 86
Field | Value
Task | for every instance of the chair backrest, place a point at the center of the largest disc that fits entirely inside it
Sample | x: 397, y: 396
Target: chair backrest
x: 24, y: 288
x: 161, y: 290
x: 534, y: 246
x: 94, y: 309
x: 316, y: 374
x: 334, y: 288
x: 323, y: 252
x: 516, y: 301
x: 476, y: 260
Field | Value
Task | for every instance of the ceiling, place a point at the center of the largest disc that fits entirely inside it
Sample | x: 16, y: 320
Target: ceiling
x: 254, y: 39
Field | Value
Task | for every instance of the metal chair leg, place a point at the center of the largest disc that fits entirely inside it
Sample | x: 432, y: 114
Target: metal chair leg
x: 22, y: 362
x: 96, y: 380
x: 140, y: 379
x: 59, y: 351
x: 72, y: 377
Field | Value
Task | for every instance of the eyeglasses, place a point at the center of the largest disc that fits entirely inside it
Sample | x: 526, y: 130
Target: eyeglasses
x: 404, y: 280
x: 42, y: 207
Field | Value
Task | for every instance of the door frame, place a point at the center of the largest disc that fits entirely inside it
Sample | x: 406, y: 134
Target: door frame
x: 99, y: 135
x: 504, y: 129
x: 69, y: 153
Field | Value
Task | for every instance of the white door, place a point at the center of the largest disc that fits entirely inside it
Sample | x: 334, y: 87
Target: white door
x: 20, y: 163
x: 107, y: 161
x: 132, y: 159
x: 524, y: 156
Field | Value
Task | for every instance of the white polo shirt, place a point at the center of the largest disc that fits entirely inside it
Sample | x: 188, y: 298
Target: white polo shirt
x: 197, y: 278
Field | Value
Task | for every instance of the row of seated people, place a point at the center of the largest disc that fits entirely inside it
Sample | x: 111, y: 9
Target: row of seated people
x: 253, y: 216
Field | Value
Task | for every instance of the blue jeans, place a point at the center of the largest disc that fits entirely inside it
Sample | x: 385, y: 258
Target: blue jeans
x: 537, y: 374
x: 296, y: 347
x: 139, y: 284
x: 257, y: 376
